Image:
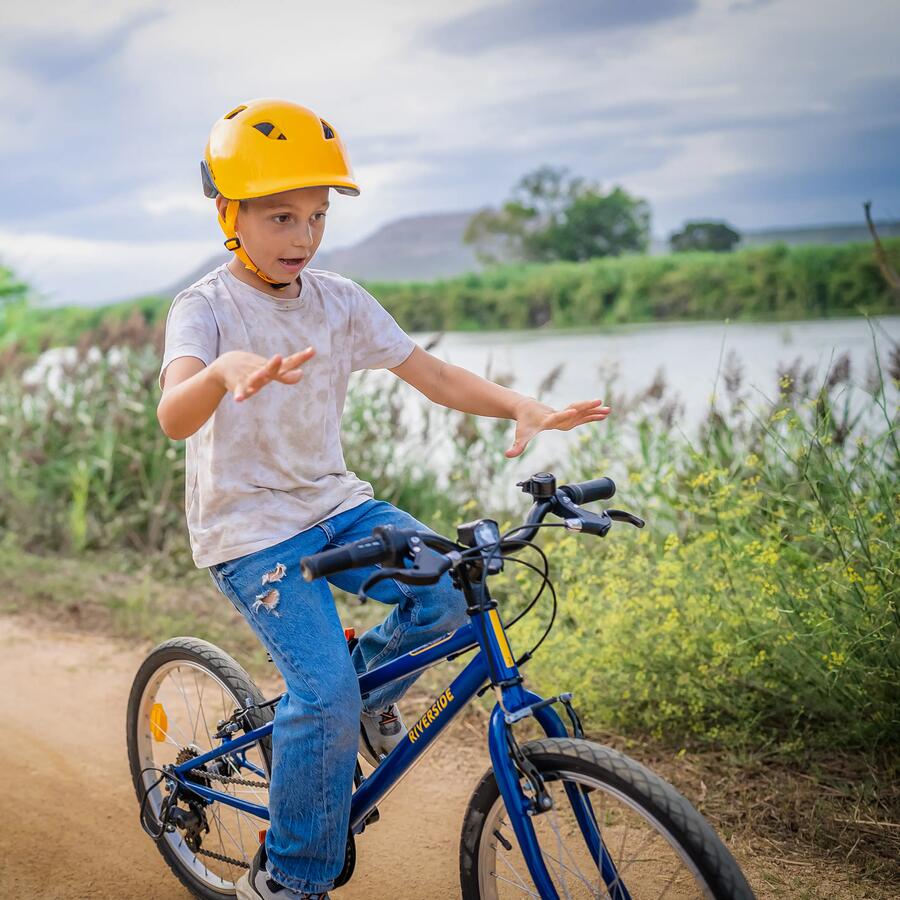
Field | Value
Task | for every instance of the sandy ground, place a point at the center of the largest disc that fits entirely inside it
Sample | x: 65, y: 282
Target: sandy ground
x: 68, y: 813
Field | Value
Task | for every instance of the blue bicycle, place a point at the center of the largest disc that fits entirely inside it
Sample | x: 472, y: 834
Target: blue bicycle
x: 556, y: 817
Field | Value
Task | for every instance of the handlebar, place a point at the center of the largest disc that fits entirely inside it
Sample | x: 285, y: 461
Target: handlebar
x: 361, y: 553
x: 390, y: 546
x: 588, y: 491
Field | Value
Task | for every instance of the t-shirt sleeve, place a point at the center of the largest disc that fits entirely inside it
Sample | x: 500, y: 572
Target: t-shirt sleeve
x: 190, y: 331
x: 378, y: 342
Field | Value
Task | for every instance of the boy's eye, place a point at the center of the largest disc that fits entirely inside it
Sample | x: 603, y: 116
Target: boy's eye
x: 319, y: 215
x: 281, y: 218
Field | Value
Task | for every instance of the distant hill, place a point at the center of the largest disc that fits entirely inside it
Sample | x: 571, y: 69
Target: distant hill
x: 423, y: 248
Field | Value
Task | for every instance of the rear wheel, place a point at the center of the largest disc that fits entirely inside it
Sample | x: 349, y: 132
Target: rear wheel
x: 183, y: 689
x: 654, y: 842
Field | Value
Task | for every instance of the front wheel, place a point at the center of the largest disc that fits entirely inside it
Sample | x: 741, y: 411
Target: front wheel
x: 648, y: 840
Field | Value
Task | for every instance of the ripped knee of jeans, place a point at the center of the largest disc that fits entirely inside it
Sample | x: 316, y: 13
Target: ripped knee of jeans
x: 268, y: 600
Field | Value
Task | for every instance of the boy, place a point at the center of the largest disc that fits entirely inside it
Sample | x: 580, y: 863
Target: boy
x: 266, y: 481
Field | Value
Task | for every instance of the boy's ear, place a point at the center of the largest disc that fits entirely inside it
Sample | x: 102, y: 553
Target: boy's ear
x: 221, y: 203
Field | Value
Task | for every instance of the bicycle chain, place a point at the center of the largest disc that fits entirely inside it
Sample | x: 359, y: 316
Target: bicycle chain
x: 230, y: 779
x: 222, y: 858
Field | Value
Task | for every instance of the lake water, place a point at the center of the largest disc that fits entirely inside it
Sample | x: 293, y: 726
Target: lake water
x: 688, y: 355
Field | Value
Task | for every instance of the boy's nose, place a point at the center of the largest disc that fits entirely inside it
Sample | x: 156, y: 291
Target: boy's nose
x: 303, y: 240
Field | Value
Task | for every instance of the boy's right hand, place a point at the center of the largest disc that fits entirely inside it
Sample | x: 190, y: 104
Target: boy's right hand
x: 245, y: 373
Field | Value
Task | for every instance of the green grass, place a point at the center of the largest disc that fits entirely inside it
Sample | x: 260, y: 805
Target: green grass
x: 773, y: 283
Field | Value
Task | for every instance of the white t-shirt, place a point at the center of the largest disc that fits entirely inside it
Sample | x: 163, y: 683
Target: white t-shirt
x: 265, y: 469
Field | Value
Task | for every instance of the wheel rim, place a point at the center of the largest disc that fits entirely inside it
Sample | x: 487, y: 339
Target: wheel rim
x: 193, y: 700
x: 647, y: 857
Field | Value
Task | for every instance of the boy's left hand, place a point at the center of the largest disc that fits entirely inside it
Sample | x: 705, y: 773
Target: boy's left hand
x: 533, y: 416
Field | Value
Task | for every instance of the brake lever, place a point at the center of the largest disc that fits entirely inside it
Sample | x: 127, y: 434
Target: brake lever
x: 579, y: 519
x: 428, y: 566
x: 622, y: 516
x: 372, y: 580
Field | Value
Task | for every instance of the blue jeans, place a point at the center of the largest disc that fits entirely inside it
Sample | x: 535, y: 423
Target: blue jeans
x: 316, y: 729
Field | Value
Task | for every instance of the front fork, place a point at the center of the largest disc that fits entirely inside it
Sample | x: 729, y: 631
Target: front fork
x: 522, y: 807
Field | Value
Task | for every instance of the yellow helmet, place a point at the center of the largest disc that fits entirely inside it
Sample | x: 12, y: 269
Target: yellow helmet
x: 267, y: 146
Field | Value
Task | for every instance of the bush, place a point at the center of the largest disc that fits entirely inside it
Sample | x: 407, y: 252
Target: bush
x: 759, y: 606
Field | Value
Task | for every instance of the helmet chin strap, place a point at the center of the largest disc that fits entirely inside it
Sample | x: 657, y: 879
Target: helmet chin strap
x: 233, y: 242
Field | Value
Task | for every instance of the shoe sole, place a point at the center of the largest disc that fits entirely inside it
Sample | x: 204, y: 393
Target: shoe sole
x: 366, y: 751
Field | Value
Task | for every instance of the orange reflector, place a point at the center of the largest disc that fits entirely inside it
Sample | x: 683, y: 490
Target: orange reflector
x: 262, y: 835
x: 349, y: 633
x: 159, y: 722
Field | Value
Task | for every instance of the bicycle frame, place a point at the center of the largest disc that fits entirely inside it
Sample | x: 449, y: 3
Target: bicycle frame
x: 494, y: 662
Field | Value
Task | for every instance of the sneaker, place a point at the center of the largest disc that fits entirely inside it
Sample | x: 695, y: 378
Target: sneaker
x: 380, y: 732
x: 256, y: 883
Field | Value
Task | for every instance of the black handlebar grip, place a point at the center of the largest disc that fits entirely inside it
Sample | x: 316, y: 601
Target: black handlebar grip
x: 588, y: 491
x: 359, y: 553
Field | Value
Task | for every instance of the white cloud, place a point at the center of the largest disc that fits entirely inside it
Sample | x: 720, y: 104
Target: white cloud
x: 75, y: 270
x: 426, y: 129
x: 164, y: 201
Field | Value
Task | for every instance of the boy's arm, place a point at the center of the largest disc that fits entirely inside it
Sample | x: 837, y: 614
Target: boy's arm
x: 191, y: 394
x: 458, y: 388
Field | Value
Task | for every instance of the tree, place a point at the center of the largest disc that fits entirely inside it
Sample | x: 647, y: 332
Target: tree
x: 13, y: 301
x: 11, y: 290
x: 552, y: 216
x: 713, y: 235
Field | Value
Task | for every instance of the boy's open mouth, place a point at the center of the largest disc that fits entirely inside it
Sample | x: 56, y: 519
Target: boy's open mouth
x: 290, y: 262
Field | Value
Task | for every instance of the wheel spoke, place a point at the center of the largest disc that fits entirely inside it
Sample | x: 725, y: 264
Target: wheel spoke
x: 555, y: 826
x: 620, y: 871
x: 574, y: 862
x: 499, y: 877
x: 562, y: 865
x: 515, y: 872
x: 668, y: 885
x: 180, y: 685
x: 200, y: 711
x: 168, y: 736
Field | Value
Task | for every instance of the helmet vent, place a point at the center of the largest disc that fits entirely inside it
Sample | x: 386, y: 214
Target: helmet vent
x: 329, y: 131
x: 235, y: 111
x: 270, y: 131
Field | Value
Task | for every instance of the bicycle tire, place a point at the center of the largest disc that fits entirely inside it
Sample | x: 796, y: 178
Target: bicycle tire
x: 669, y: 813
x: 194, y: 652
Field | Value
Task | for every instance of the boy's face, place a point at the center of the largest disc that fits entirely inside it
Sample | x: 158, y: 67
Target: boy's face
x: 281, y: 232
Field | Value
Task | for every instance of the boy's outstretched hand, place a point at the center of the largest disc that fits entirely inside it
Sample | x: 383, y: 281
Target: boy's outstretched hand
x: 245, y: 374
x: 532, y: 416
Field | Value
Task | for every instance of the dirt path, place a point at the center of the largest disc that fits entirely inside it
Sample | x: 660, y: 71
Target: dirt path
x: 68, y: 814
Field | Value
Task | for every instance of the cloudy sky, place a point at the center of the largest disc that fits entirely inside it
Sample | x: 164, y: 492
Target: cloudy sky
x: 764, y: 112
